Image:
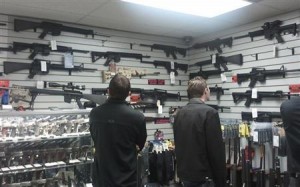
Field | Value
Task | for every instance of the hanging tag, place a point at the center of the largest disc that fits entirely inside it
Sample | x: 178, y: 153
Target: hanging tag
x: 172, y: 65
x: 254, y: 93
x: 223, y: 77
x: 40, y: 84
x: 43, y: 66
x: 275, y: 51
x: 255, y: 136
x: 69, y: 61
x: 53, y: 45
x: 172, y: 77
x: 276, y: 141
x: 254, y: 112
x: 213, y: 59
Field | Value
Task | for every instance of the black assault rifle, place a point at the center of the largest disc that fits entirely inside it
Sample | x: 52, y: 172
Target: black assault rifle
x: 42, y: 49
x: 41, y: 67
x: 206, y: 74
x: 261, y: 116
x: 69, y: 95
x: 54, y: 29
x: 237, y: 96
x: 115, y: 56
x: 168, y: 66
x: 214, y: 44
x: 260, y: 74
x: 272, y: 30
x: 221, y: 61
x: 218, y: 90
x: 169, y: 50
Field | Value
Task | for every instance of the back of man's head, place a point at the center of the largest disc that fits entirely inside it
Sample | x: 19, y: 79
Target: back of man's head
x: 196, y: 87
x: 119, y: 87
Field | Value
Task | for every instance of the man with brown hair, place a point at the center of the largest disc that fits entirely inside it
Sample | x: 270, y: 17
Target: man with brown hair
x: 116, y: 129
x: 199, y: 147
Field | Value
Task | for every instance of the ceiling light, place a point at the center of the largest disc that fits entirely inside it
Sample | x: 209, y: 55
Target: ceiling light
x: 204, y: 8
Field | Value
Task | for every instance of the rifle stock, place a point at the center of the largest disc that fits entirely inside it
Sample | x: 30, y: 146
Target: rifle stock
x: 11, y: 67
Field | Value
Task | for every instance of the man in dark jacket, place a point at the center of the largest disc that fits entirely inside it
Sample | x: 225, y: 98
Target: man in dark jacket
x: 290, y: 113
x: 199, y: 147
x: 117, y: 130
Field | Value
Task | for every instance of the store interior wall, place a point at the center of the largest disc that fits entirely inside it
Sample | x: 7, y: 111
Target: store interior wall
x: 120, y: 42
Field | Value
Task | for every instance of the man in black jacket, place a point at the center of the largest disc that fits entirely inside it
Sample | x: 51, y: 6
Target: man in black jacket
x: 290, y: 113
x: 199, y: 147
x: 116, y: 129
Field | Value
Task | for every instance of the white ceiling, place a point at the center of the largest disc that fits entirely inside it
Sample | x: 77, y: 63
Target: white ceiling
x: 120, y: 15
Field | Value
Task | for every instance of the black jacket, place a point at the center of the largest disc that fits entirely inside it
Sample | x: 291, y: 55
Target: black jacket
x: 199, y: 147
x: 290, y: 113
x: 116, y: 128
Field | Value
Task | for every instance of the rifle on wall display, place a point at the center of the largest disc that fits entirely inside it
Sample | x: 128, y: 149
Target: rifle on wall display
x: 41, y: 67
x: 54, y: 29
x: 221, y: 61
x: 206, y: 74
x: 271, y: 30
x: 115, y: 56
x: 218, y: 90
x: 260, y: 74
x: 42, y: 49
x: 168, y: 49
x: 214, y: 44
x: 170, y: 66
x: 237, y: 96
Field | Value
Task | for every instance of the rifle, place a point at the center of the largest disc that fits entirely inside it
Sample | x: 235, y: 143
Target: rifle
x: 260, y: 74
x: 42, y: 49
x: 261, y: 116
x: 237, y: 96
x: 41, y: 67
x: 214, y: 44
x: 217, y: 107
x: 115, y: 56
x: 69, y: 86
x: 222, y: 61
x: 168, y: 66
x: 69, y: 95
x: 54, y: 29
x: 6, y: 49
x: 272, y: 30
x: 168, y: 49
x: 218, y: 90
x: 157, y: 120
x: 206, y: 74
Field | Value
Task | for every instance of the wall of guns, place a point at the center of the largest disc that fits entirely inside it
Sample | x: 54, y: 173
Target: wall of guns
x: 256, y: 63
x: 45, y: 149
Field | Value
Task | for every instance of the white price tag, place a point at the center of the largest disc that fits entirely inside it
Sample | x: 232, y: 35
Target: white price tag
x: 223, y: 77
x: 40, y: 84
x: 254, y: 93
x: 213, y: 59
x: 172, y: 77
x: 255, y: 136
x: 172, y: 65
x: 53, y: 45
x: 254, y: 112
x: 89, y: 185
x: 160, y: 109
x: 69, y: 61
x: 276, y: 141
x: 43, y: 66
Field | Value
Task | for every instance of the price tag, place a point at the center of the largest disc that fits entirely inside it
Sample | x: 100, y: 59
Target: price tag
x: 160, y: 109
x: 172, y: 65
x: 172, y: 77
x: 223, y: 77
x: 255, y: 136
x: 254, y: 112
x: 69, y: 61
x: 53, y: 45
x: 43, y: 66
x: 254, y: 93
x: 40, y: 84
x: 276, y: 141
x: 213, y: 59
x: 275, y: 51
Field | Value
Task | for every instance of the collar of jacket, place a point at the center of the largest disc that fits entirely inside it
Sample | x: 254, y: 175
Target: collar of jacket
x: 196, y: 101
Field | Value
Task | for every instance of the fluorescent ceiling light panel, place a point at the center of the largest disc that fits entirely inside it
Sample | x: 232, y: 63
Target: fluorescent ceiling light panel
x: 204, y: 8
